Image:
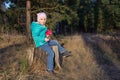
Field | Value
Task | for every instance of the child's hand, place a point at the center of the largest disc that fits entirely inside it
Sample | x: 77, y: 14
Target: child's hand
x: 47, y: 39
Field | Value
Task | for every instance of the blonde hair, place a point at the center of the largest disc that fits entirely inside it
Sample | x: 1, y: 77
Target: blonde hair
x: 41, y: 14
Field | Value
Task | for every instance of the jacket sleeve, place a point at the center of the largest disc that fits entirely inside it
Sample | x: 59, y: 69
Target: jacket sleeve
x: 36, y: 34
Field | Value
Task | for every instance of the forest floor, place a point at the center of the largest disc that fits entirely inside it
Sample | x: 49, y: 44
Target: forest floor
x: 95, y: 57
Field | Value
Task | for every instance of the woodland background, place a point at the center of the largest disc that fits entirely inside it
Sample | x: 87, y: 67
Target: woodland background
x: 95, y: 16
x: 88, y: 28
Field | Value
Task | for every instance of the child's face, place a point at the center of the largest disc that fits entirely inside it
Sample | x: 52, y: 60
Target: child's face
x: 42, y: 20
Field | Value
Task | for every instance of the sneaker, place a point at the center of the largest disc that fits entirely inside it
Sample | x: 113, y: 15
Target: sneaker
x: 67, y: 54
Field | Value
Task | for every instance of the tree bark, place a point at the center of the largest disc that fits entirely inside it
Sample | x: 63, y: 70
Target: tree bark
x: 28, y: 18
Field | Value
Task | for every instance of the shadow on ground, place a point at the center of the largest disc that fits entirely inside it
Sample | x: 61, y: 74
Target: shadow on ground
x: 104, y: 61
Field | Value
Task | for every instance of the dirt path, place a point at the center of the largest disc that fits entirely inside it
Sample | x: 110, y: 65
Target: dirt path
x: 106, y: 56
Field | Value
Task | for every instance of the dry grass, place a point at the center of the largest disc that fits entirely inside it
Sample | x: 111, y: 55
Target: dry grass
x: 7, y: 39
x: 94, y: 58
x: 11, y: 55
x: 82, y: 65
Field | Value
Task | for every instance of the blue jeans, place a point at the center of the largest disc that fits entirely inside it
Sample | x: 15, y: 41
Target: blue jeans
x: 47, y: 48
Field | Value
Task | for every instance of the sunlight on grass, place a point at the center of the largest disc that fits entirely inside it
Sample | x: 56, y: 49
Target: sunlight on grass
x: 90, y: 60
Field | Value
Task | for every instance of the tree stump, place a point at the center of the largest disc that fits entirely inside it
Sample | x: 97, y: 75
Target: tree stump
x: 35, y: 54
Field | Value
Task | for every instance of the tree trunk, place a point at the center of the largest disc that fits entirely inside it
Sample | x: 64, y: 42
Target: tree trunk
x: 28, y: 18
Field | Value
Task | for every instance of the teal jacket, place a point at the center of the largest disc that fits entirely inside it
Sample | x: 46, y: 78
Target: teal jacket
x: 38, y: 33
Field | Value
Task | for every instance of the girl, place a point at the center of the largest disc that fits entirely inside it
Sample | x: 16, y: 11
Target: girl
x: 43, y: 42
